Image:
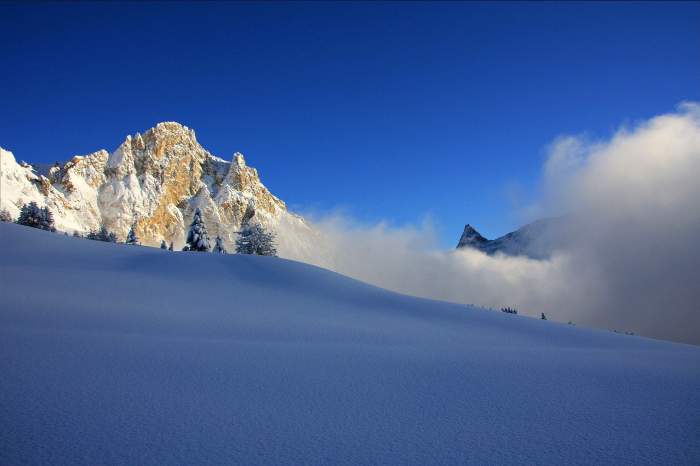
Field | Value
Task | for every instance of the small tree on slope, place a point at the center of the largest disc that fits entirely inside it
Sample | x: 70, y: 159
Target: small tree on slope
x: 163, y: 245
x: 219, y: 246
x: 131, y: 237
x: 254, y: 239
x: 197, y: 238
x: 29, y: 215
x: 47, y: 222
x: 32, y: 215
x: 102, y: 235
x: 5, y: 216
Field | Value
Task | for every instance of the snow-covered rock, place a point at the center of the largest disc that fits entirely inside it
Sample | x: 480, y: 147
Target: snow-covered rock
x: 154, y: 181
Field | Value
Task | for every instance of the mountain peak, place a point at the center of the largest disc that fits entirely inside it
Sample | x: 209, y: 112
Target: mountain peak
x: 171, y: 130
x: 170, y: 125
x: 471, y: 237
x: 238, y: 159
x: 154, y: 179
x: 536, y: 240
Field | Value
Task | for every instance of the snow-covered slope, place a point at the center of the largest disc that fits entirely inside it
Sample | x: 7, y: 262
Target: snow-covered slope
x: 155, y: 181
x: 114, y: 354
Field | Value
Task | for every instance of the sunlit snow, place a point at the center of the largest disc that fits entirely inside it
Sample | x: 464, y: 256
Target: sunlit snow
x: 131, y: 355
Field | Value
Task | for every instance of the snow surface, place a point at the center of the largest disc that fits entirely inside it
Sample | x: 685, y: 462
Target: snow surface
x: 131, y: 355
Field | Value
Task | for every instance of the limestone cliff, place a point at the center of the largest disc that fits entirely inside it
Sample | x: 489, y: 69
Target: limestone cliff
x: 154, y: 180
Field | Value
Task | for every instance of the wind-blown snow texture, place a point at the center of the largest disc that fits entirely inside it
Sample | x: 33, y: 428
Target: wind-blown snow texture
x: 112, y: 354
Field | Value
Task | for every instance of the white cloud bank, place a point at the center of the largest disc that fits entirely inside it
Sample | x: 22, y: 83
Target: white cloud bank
x: 632, y: 260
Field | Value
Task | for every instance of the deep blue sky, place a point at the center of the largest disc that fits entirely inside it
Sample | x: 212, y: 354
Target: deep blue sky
x: 392, y: 111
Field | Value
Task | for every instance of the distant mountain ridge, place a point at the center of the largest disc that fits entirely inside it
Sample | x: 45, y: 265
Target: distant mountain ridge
x: 537, y: 240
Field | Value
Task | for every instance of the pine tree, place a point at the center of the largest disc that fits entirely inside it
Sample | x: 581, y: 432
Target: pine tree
x: 5, y: 216
x: 163, y: 245
x: 544, y: 317
x: 197, y: 238
x: 76, y: 234
x: 32, y: 215
x: 170, y: 248
x: 131, y: 237
x: 102, y: 235
x: 29, y: 215
x: 219, y: 246
x: 254, y: 239
x: 47, y: 222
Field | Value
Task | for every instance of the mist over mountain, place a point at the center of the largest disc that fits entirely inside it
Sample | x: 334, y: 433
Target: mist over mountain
x: 624, y: 257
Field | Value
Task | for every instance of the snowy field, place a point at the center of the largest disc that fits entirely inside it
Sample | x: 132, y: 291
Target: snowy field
x: 113, y: 354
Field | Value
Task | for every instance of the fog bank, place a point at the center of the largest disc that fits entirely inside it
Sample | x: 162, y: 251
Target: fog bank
x: 632, y: 256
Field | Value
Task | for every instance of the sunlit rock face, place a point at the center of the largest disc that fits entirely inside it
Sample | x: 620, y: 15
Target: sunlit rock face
x: 154, y: 181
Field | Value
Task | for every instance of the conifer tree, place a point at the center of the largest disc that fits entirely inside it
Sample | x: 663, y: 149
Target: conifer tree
x: 47, y: 222
x: 131, y: 237
x: 32, y: 215
x: 102, y: 235
x: 170, y: 248
x: 5, y: 216
x: 29, y: 215
x: 163, y: 245
x: 255, y: 239
x: 219, y: 246
x: 197, y: 237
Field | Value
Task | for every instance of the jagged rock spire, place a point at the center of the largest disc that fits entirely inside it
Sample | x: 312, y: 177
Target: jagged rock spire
x: 471, y: 238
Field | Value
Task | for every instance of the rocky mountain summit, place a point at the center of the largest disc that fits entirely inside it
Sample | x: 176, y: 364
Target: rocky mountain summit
x: 153, y: 181
x: 471, y: 238
x: 537, y: 240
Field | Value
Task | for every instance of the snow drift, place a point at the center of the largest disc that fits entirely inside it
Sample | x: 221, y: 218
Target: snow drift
x: 112, y: 354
